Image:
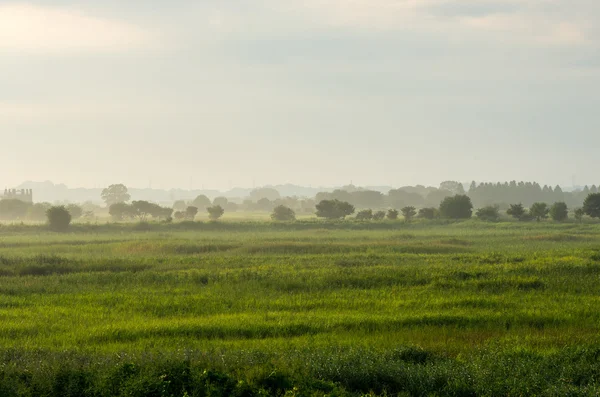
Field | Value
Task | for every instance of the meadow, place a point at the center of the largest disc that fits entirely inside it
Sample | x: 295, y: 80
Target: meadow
x: 308, y: 308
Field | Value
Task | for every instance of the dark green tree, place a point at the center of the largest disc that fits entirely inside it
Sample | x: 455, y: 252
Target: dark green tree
x: 559, y: 211
x: 334, y: 209
x: 282, y: 213
x: 591, y: 205
x: 517, y: 211
x: 392, y: 214
x: 379, y: 216
x: 539, y: 211
x: 121, y: 211
x: 59, y: 218
x: 456, y: 207
x: 408, y: 213
x: 490, y: 213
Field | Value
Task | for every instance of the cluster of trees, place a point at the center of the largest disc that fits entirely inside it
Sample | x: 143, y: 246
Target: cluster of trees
x: 17, y: 210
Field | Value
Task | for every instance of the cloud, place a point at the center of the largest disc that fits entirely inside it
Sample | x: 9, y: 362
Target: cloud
x: 33, y: 28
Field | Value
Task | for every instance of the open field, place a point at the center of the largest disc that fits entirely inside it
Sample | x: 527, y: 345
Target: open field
x: 308, y: 308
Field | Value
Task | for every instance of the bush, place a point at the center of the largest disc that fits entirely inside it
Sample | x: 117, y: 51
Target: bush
x: 392, y: 215
x: 409, y: 213
x: 591, y: 205
x: 334, y: 209
x: 364, y: 215
x: 517, y: 211
x: 490, y: 213
x: 456, y: 207
x: 379, y: 216
x: 559, y: 212
x: 215, y: 212
x: 428, y: 213
x: 59, y: 218
x: 539, y: 211
x: 283, y: 214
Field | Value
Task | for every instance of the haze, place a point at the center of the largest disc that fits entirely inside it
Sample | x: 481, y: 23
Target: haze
x: 317, y: 92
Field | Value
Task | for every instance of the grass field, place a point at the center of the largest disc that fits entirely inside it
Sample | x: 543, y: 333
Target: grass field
x: 255, y: 308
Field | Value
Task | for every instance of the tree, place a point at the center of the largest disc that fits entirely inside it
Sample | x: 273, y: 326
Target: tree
x: 428, y: 213
x: 120, y: 211
x: 201, y: 202
x: 579, y: 213
x: 220, y: 201
x: 490, y: 213
x: 334, y: 209
x: 364, y: 215
x: 59, y: 218
x: 215, y: 212
x: 283, y: 214
x: 179, y: 205
x: 379, y: 216
x: 453, y: 186
x: 179, y: 215
x: 75, y: 211
x: 190, y: 213
x: 539, y: 211
x: 591, y: 205
x: 392, y: 214
x: 115, y: 194
x: 142, y: 209
x: 559, y: 211
x: 12, y: 209
x: 456, y: 207
x: 517, y: 211
x: 408, y: 213
x: 435, y: 197
x: 37, y: 212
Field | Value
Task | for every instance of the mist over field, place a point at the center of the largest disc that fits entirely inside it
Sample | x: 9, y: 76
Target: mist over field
x: 299, y: 198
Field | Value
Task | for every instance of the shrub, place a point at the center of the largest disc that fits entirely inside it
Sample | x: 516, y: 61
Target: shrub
x: 215, y: 212
x: 59, y: 218
x: 379, y: 216
x: 190, y: 213
x: 364, y: 215
x: 456, y: 207
x: 283, y: 214
x: 559, y: 212
x: 490, y: 213
x: 334, y: 209
x: 428, y: 213
x: 392, y: 214
x: 539, y: 211
x: 409, y: 213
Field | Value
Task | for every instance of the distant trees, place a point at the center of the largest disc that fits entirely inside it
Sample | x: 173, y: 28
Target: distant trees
x: 179, y: 205
x: 115, y: 194
x: 559, y: 211
x: 456, y: 207
x: 392, y: 214
x: 201, y: 202
x: 539, y: 211
x: 215, y: 212
x: 139, y: 209
x: 379, y: 216
x: 428, y: 213
x: 59, y: 218
x: 190, y: 213
x: 454, y: 187
x: 409, y: 213
x: 120, y: 211
x: 264, y: 192
x: 37, y: 212
x: 591, y: 205
x: 12, y: 210
x: 517, y: 211
x: 282, y: 213
x: 220, y: 202
x: 364, y: 215
x: 75, y: 211
x: 334, y: 209
x: 490, y: 213
x: 579, y: 213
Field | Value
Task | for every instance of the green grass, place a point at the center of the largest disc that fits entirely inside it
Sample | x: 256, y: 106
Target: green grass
x: 309, y: 308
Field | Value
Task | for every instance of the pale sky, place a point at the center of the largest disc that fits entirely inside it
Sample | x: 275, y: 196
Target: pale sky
x: 312, y: 92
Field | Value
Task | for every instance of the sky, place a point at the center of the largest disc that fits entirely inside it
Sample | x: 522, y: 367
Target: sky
x: 213, y: 94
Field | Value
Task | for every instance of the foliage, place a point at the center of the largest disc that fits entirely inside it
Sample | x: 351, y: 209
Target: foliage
x: 115, y: 194
x: 392, y: 214
x: 11, y: 209
x: 579, y: 213
x: 409, y: 213
x: 428, y: 213
x: 559, y: 212
x: 334, y: 209
x: 75, y: 211
x: 179, y: 205
x: 283, y: 214
x: 59, y: 218
x: 264, y: 193
x: 491, y: 213
x: 517, y: 211
x: 456, y: 207
x: 379, y: 216
x: 201, y: 202
x: 190, y: 213
x: 215, y: 212
x: 221, y: 202
x: 364, y: 215
x: 591, y: 205
x: 121, y: 211
x: 539, y: 211
x: 37, y: 212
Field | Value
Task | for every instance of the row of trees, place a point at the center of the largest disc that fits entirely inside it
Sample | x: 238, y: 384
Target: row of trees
x: 143, y: 210
x: 17, y: 210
